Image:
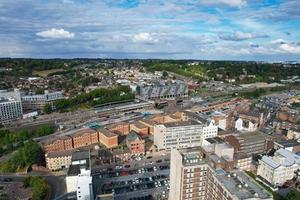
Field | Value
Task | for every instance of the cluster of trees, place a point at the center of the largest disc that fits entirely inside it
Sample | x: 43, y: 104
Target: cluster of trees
x: 260, y: 92
x: 10, y: 141
x: 96, y: 97
x: 228, y: 69
x: 24, y: 157
x: 39, y: 187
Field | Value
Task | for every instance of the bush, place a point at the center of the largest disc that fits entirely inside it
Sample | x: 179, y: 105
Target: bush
x: 39, y: 187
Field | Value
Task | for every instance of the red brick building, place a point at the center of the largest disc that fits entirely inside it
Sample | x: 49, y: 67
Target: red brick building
x: 85, y: 137
x: 108, y: 138
x: 135, y: 143
x: 58, y: 144
x: 121, y: 128
x: 140, y: 128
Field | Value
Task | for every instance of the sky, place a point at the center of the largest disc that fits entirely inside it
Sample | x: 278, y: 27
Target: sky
x: 267, y: 30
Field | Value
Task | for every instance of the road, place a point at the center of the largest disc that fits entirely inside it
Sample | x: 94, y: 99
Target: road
x: 56, y: 183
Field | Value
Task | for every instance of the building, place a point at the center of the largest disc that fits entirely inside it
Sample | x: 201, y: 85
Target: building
x: 80, y: 165
x: 192, y: 178
x: 243, y: 161
x: 250, y: 142
x: 85, y: 137
x: 163, y: 90
x: 108, y: 138
x: 121, y: 128
x: 210, y: 130
x: 135, y: 143
x: 140, y: 128
x: 275, y: 171
x: 178, y: 135
x: 291, y: 145
x: 150, y: 124
x: 59, y: 160
x: 34, y: 101
x: 10, y: 106
x: 245, y: 125
x: 58, y: 144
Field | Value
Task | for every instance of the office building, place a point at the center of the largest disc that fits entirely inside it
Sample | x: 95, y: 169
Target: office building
x: 34, y: 101
x: 108, y: 138
x: 178, y: 135
x: 192, y: 178
x: 10, y: 106
x: 278, y: 169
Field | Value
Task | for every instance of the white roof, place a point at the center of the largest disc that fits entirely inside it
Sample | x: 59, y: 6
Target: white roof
x: 282, y: 157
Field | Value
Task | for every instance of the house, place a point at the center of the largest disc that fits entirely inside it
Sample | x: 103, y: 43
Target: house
x: 135, y: 143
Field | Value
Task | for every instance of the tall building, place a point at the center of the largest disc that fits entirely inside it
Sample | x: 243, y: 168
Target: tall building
x: 276, y: 170
x: 178, y: 135
x: 10, y: 106
x: 193, y: 178
x: 38, y: 101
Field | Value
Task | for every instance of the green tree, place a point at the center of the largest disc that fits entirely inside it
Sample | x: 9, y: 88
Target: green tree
x: 47, y: 108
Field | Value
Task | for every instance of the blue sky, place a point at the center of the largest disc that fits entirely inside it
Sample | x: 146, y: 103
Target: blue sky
x: 173, y: 29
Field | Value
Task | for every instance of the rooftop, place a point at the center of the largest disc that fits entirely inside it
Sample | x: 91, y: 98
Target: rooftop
x: 241, y: 185
x: 106, y: 132
x: 282, y: 157
x: 182, y: 123
x: 132, y: 136
x: 60, y: 153
x: 288, y: 143
x: 84, y: 131
x: 81, y: 155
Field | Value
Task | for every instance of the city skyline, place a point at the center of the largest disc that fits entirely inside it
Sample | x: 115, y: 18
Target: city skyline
x: 187, y: 29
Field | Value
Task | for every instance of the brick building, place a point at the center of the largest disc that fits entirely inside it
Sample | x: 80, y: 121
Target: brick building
x: 58, y: 144
x: 85, y: 137
x: 108, y: 138
x: 121, y: 128
x: 135, y: 143
x: 140, y: 128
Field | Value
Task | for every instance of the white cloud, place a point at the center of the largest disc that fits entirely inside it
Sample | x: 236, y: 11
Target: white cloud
x: 56, y: 34
x: 290, y: 48
x: 239, y: 36
x: 144, y: 37
x: 231, y: 3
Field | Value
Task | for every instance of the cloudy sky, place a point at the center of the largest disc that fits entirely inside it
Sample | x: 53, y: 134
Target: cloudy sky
x: 175, y: 29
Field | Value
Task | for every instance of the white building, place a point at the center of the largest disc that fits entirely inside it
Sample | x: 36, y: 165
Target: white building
x: 210, y: 131
x: 84, y: 186
x: 280, y: 168
x: 10, y: 106
x: 178, y: 135
x: 245, y: 125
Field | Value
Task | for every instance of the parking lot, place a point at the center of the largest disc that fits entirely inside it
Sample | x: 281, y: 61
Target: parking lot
x: 141, y: 179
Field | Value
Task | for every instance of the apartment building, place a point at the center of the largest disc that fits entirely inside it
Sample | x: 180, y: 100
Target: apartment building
x: 276, y: 170
x: 85, y: 137
x: 58, y: 144
x: 34, y: 101
x: 10, y: 106
x: 192, y: 178
x: 108, y: 138
x: 58, y: 160
x: 178, y: 135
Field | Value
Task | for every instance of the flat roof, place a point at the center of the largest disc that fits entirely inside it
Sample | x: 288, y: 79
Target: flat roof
x: 81, y: 155
x: 83, y: 131
x: 241, y: 185
x: 182, y: 123
x: 288, y: 143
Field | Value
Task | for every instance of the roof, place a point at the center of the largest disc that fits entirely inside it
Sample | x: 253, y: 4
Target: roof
x: 81, y: 155
x: 60, y: 153
x: 106, y: 132
x: 288, y: 143
x: 133, y: 136
x: 282, y: 157
x: 182, y: 123
x: 83, y: 131
x: 148, y: 122
x: 52, y: 140
x: 139, y: 125
x: 239, y: 184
